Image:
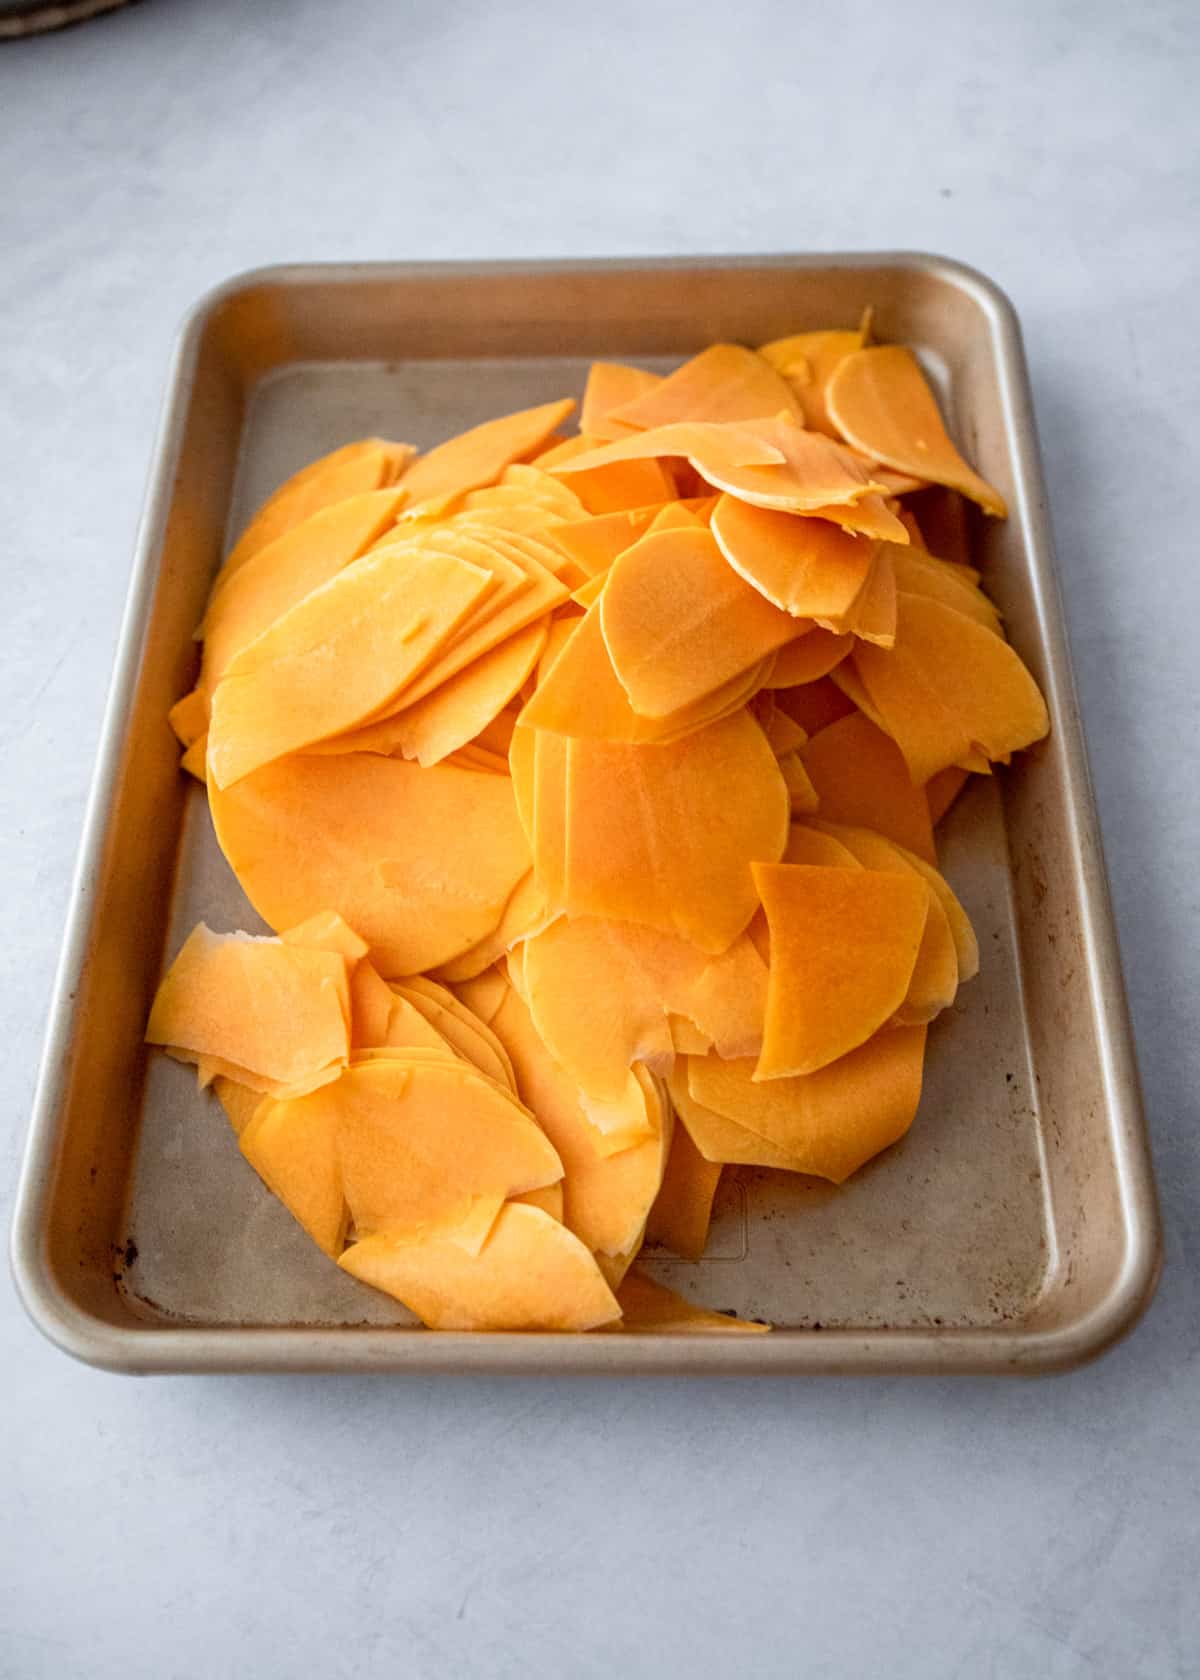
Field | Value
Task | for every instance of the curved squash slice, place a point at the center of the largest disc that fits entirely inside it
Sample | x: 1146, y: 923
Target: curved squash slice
x: 459, y: 1026
x: 829, y: 1122
x: 811, y: 655
x: 247, y: 602
x: 844, y: 943
x: 949, y: 686
x: 368, y: 464
x: 607, y: 1193
x: 293, y: 1149
x: 594, y: 543
x: 609, y: 386
x: 665, y: 835
x: 600, y: 993
x: 338, y: 656
x: 417, y: 1136
x: 813, y: 705
x: 524, y: 914
x: 678, y: 621
x: 277, y: 1012
x: 530, y: 1274
x: 721, y: 1141
x: 420, y: 862
x: 724, y: 382
x: 682, y: 1212
x: 478, y: 457
x: 873, y: 616
x: 918, y: 573
x: 654, y: 1310
x: 806, y: 567
x: 880, y: 401
x: 942, y: 789
x: 807, y: 361
x: 861, y: 779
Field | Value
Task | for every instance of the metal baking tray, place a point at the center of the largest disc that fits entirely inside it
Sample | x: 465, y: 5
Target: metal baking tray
x: 1014, y: 1229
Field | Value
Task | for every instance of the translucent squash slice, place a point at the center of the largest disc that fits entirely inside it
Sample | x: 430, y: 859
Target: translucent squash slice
x: 807, y: 360
x: 277, y: 1012
x: 880, y: 402
x: 248, y: 601
x: 934, y: 981
x: 581, y: 695
x: 682, y: 1211
x: 942, y: 789
x: 724, y: 382
x: 368, y: 464
x: 873, y: 615
x: 719, y: 1140
x: 918, y: 573
x: 664, y: 835
x: 861, y: 779
x: 831, y: 1122
x: 524, y: 914
x: 600, y: 994
x: 479, y: 457
x: 950, y: 685
x: 337, y: 656
x: 372, y: 1009
x: 607, y: 1194
x: 806, y: 567
x: 462, y: 1030
x: 844, y: 944
x: 418, y: 1135
x: 188, y: 717
x: 530, y: 1274
x: 240, y: 1103
x: 810, y: 656
x: 594, y: 543
x: 456, y: 713
x: 420, y: 862
x: 484, y: 993
x: 654, y: 1310
x: 549, y: 1198
x: 327, y: 931
x: 292, y: 1146
x: 609, y: 386
x: 678, y: 621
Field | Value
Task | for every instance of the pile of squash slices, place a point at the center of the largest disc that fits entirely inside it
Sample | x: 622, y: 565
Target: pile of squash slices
x: 590, y: 783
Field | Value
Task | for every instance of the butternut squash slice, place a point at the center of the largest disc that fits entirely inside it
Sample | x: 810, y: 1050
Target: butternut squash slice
x: 337, y: 656
x: 531, y: 1274
x: 240, y: 1103
x: 844, y: 944
x: 942, y: 789
x: 950, y: 686
x: 279, y: 1013
x: 806, y: 567
x: 479, y: 457
x: 880, y: 402
x: 678, y: 621
x: 813, y: 705
x: 609, y: 386
x: 861, y: 779
x: 368, y: 464
x: 652, y: 1309
x: 721, y: 1141
x: 420, y: 862
x: 293, y: 1148
x: 807, y: 360
x: 665, y: 835
x: 682, y: 1211
x: 829, y: 1122
x: 812, y: 654
x: 724, y: 382
x: 594, y: 543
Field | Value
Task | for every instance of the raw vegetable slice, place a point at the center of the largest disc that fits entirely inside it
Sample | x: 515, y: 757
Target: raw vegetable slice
x: 918, y: 573
x: 861, y: 779
x: 368, y: 464
x: 805, y: 566
x: 664, y: 835
x: 458, y: 1025
x: 724, y: 382
x: 813, y: 705
x: 524, y: 914
x: 292, y: 1146
x: 549, y: 1198
x: 479, y: 457
x: 807, y: 360
x: 600, y: 993
x: 240, y: 1103
x: 810, y: 656
x: 248, y: 601
x: 594, y: 543
x: 278, y: 1012
x: 420, y: 862
x: 337, y: 656
x: 682, y: 1211
x: 653, y: 1309
x: 530, y: 1274
x: 942, y: 789
x: 949, y: 686
x: 880, y: 402
x: 844, y: 943
x: 678, y: 621
x: 609, y: 386
x: 873, y: 616
x: 830, y: 1122
x: 722, y: 1141
x: 607, y: 1193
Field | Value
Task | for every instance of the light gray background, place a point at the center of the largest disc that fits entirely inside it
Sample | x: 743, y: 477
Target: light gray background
x: 921, y: 1529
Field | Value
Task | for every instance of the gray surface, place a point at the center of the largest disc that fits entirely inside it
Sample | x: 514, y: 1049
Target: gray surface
x: 974, y: 1528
